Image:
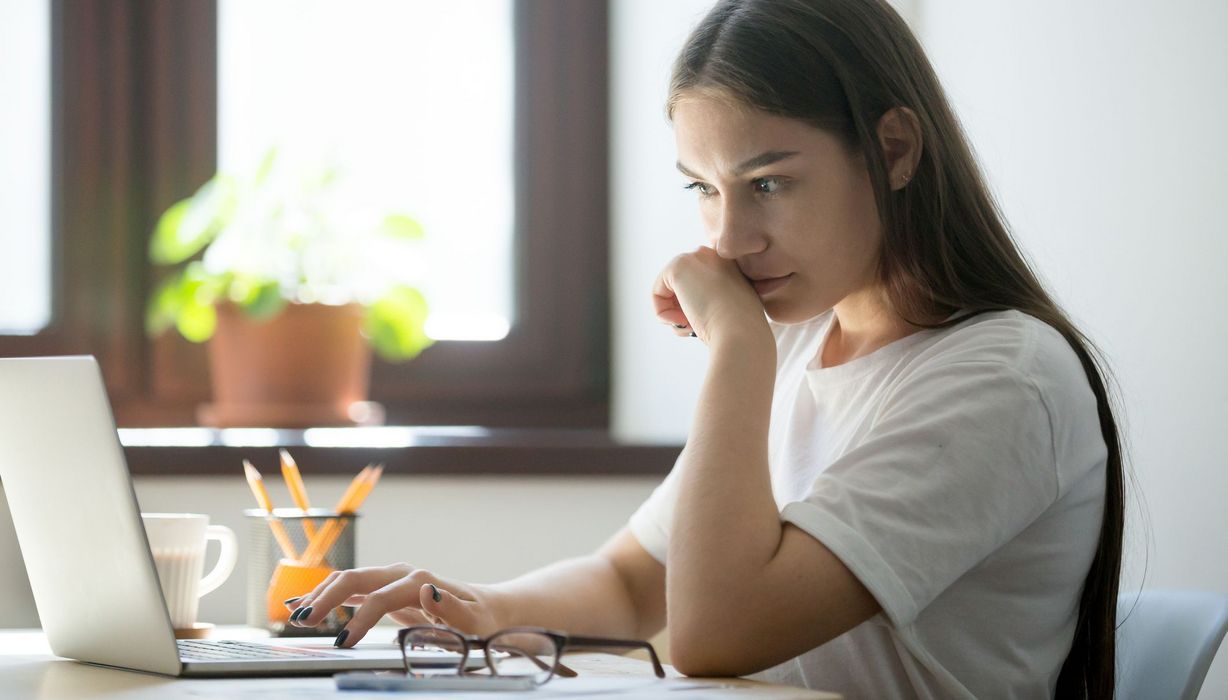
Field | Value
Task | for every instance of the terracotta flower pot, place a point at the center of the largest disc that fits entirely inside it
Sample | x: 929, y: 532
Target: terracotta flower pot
x: 307, y: 366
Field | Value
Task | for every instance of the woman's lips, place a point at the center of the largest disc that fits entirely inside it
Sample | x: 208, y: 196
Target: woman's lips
x: 768, y: 285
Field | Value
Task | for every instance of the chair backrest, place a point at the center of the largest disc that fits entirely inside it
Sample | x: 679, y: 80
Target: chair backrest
x: 1166, y: 640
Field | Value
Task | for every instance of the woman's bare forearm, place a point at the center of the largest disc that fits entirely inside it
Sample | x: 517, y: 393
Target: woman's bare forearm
x: 726, y: 523
x: 615, y: 592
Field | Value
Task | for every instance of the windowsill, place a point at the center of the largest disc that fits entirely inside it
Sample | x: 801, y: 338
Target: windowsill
x: 428, y: 450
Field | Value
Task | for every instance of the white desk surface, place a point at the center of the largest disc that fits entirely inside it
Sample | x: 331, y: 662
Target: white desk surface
x: 29, y: 670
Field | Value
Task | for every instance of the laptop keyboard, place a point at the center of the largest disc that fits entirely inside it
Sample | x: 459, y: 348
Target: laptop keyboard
x: 231, y: 650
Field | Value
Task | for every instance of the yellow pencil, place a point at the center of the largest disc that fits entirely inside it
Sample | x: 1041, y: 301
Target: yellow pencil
x: 355, y: 486
x: 372, y: 480
x: 256, y: 482
x: 313, y: 555
x: 359, y: 489
x: 298, y: 490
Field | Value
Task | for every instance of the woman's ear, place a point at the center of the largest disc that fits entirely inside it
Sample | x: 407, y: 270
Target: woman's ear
x: 899, y: 135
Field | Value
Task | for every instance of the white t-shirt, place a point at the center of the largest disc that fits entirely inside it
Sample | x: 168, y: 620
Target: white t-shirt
x: 959, y: 474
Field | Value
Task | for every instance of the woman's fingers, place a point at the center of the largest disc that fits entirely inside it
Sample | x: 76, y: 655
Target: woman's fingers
x: 394, y: 597
x: 668, y: 309
x: 680, y: 328
x: 665, y: 300
x: 433, y: 603
x: 408, y: 616
x: 302, y: 600
x: 339, y: 588
x: 352, y: 601
x: 464, y: 615
x: 700, y: 288
x: 410, y: 596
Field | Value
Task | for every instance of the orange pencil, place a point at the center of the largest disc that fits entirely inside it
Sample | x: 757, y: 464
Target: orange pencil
x: 298, y: 490
x: 313, y: 555
x: 355, y: 486
x: 359, y: 489
x: 364, y: 491
x: 256, y: 482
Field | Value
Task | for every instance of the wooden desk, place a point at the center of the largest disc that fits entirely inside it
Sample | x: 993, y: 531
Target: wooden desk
x: 29, y: 670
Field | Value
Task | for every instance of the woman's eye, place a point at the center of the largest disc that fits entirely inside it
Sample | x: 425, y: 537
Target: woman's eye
x: 766, y: 185
x: 704, y: 189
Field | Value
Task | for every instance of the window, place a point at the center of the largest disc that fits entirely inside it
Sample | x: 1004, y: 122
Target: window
x: 412, y: 102
x: 134, y: 114
x: 25, y: 141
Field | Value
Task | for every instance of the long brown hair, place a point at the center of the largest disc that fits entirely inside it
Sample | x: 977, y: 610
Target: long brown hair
x: 841, y: 65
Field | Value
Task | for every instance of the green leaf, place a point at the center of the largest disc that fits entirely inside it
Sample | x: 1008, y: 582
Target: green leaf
x: 402, y: 226
x: 163, y: 307
x: 266, y: 301
x: 191, y: 224
x: 197, y: 321
x: 395, y: 324
x: 203, y: 286
x: 165, y: 247
x: 186, y: 301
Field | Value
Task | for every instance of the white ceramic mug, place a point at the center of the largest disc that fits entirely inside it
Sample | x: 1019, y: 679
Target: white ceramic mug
x: 178, y: 542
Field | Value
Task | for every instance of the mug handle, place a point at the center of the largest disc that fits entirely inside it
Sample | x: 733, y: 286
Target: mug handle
x: 225, y: 558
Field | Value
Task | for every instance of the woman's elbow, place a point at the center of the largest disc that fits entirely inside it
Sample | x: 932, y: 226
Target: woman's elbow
x: 708, y: 654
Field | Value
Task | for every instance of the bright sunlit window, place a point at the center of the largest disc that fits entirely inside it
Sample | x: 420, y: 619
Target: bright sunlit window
x: 25, y: 166
x: 412, y: 102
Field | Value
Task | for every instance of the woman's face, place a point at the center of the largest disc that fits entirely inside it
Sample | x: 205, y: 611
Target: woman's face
x: 782, y: 199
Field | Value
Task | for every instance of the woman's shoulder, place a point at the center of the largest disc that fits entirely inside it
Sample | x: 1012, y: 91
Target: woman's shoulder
x: 1009, y: 337
x: 1012, y: 340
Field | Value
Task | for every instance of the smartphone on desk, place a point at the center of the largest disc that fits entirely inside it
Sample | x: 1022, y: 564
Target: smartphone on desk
x: 367, y: 680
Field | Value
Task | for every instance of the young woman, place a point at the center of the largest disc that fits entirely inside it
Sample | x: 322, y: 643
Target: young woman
x: 904, y: 477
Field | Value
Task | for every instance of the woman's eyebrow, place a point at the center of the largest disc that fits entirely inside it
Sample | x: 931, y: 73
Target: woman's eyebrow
x: 765, y: 158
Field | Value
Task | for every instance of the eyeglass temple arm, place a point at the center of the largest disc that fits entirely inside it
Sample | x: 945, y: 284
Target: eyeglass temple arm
x: 604, y: 643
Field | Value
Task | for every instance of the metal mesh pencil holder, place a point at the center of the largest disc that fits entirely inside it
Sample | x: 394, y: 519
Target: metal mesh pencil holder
x: 272, y: 576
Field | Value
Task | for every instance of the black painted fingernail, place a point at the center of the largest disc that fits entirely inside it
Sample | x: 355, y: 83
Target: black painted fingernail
x: 693, y: 334
x: 679, y: 325
x: 435, y: 593
x: 289, y: 601
x: 294, y: 615
x: 341, y: 638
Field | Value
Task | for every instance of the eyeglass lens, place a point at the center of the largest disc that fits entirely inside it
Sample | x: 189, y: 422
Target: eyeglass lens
x: 525, y: 654
x: 513, y: 653
x: 437, y: 640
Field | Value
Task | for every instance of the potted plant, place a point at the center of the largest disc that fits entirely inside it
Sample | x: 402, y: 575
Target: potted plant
x: 292, y: 285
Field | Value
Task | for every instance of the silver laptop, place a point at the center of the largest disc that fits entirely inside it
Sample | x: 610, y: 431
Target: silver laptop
x: 80, y: 531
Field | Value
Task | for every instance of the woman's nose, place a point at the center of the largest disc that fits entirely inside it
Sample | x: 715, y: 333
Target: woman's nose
x: 735, y: 233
